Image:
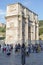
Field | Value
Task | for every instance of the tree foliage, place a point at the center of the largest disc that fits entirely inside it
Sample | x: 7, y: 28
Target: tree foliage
x: 41, y: 27
x: 2, y: 29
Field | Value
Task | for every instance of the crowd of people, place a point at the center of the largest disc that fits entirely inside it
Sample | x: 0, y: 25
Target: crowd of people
x: 25, y: 50
x: 30, y: 48
x: 6, y: 48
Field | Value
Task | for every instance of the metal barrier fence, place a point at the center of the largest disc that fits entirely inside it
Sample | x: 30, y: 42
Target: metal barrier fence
x: 27, y: 42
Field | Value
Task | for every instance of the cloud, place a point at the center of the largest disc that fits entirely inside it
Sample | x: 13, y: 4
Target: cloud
x: 2, y: 12
x: 27, y: 2
x: 2, y: 15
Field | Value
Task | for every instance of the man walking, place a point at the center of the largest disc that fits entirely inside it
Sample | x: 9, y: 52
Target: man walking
x: 23, y: 54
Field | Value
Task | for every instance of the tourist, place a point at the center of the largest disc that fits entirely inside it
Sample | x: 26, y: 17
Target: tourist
x: 36, y: 48
x: 0, y: 46
x: 8, y: 50
x: 4, y: 48
x: 33, y: 48
x: 23, y: 54
x: 29, y: 48
x: 11, y: 46
x: 16, y: 49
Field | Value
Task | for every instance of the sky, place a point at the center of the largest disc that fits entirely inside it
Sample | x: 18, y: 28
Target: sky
x: 34, y: 5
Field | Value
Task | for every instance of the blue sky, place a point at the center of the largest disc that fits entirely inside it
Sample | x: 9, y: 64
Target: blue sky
x: 34, y: 5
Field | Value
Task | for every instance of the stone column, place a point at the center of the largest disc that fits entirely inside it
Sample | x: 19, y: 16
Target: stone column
x: 26, y: 30
x: 20, y: 20
x: 37, y: 33
x: 31, y: 32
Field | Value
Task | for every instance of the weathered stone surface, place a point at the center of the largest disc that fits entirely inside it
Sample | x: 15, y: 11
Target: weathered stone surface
x: 21, y: 24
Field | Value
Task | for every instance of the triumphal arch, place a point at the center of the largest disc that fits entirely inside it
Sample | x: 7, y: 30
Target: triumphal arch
x: 22, y: 25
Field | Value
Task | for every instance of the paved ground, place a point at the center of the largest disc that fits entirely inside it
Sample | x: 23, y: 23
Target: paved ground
x: 15, y: 59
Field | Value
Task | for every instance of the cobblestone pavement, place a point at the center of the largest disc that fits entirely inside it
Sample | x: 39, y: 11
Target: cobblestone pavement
x: 15, y: 59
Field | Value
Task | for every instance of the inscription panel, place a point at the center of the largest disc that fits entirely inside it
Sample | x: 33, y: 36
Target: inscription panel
x: 12, y: 9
